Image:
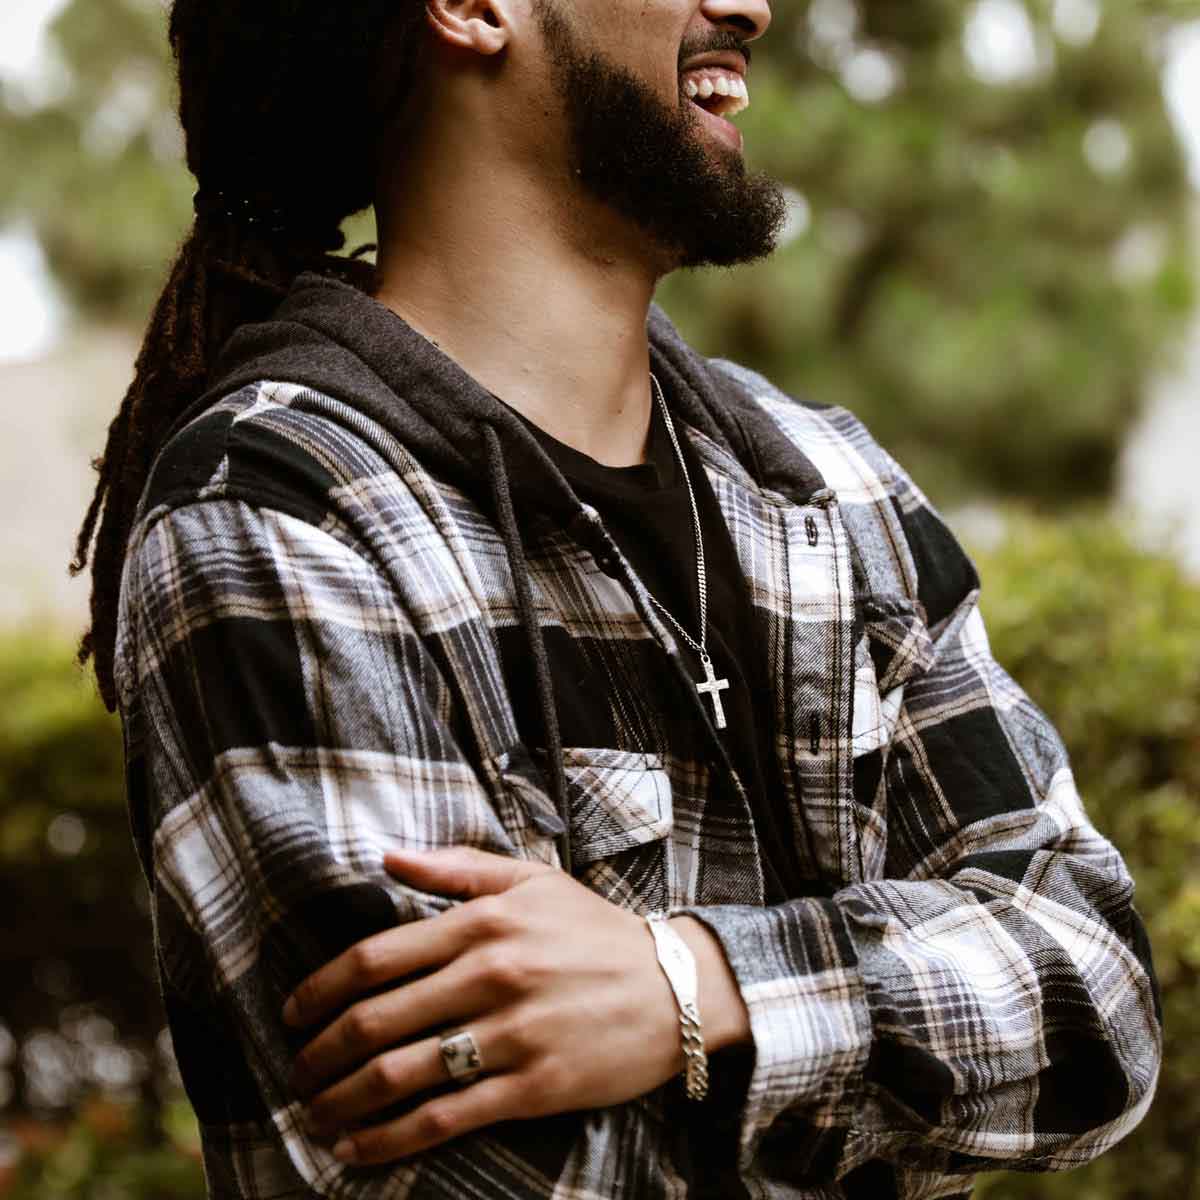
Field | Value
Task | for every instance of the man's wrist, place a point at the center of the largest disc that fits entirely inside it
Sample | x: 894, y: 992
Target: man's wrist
x: 723, y: 1014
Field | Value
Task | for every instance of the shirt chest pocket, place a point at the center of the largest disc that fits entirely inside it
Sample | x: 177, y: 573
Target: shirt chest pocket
x: 893, y: 648
x: 621, y: 821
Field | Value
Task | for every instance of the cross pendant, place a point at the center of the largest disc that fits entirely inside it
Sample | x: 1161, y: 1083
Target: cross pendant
x: 713, y: 687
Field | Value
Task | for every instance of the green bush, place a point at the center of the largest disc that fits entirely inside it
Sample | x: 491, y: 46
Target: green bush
x: 1106, y: 639
x: 80, y: 944
x: 106, y: 1116
x: 102, y: 1156
x: 1104, y: 636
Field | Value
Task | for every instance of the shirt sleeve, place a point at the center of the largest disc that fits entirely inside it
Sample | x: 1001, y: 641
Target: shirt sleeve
x: 990, y: 1003
x: 284, y: 727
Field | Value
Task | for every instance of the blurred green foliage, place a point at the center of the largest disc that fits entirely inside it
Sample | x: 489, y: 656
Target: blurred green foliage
x: 1106, y: 639
x: 1104, y: 636
x: 85, y: 1015
x: 100, y: 1156
x: 987, y: 295
x: 97, y: 158
x: 986, y: 269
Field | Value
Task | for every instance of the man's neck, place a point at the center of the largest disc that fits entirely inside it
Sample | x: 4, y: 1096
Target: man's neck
x: 550, y: 320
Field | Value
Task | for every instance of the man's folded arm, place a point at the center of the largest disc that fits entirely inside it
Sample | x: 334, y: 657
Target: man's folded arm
x: 285, y: 726
x: 991, y: 1003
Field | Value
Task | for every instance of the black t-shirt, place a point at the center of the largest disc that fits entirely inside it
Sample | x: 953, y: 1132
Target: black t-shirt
x: 647, y: 512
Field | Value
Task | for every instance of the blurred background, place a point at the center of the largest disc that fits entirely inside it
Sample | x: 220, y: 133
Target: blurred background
x: 991, y: 257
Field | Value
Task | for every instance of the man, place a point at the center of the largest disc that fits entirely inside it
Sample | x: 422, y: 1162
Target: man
x: 487, y: 563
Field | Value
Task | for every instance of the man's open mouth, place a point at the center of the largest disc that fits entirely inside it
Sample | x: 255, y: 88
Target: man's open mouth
x: 716, y: 90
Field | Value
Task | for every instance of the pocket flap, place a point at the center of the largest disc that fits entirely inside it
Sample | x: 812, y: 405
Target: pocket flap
x: 619, y: 799
x: 897, y: 639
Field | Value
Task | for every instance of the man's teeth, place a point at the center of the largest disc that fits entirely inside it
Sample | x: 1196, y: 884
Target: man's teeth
x: 733, y: 86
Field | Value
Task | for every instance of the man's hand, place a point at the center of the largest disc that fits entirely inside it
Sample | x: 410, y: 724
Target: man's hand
x: 561, y: 989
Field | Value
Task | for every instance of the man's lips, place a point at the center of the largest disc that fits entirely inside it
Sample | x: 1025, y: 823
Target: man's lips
x: 731, y: 60
x: 715, y: 83
x: 718, y: 92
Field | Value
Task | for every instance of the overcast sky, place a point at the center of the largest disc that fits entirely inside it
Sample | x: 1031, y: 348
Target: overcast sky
x: 999, y: 45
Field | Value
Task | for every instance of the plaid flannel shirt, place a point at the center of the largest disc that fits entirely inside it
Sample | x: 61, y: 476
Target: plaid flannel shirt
x: 309, y: 673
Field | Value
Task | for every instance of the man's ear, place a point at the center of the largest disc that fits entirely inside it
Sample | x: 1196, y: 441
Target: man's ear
x: 482, y: 26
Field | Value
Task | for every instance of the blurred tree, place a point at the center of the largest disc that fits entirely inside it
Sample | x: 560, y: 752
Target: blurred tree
x: 95, y: 163
x: 988, y: 251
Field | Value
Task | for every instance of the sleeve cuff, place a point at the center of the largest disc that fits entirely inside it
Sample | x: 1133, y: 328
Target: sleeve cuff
x: 798, y: 974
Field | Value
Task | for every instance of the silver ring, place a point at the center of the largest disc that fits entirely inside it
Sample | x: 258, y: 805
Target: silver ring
x: 461, y: 1056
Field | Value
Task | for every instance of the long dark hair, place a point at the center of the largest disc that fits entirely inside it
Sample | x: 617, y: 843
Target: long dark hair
x: 284, y: 104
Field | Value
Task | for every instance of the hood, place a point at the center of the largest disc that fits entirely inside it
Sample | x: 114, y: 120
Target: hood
x: 331, y: 336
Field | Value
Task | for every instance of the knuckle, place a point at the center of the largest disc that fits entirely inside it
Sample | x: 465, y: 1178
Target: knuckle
x: 365, y: 960
x: 386, y: 1076
x: 492, y: 917
x: 437, y: 1123
x: 501, y: 969
x: 522, y: 1034
x: 361, y: 1028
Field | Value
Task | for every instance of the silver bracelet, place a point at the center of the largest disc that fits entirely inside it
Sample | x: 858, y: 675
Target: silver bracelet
x: 679, y: 965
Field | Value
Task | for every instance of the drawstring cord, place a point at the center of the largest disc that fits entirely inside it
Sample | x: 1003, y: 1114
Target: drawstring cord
x: 502, y: 497
x: 506, y: 516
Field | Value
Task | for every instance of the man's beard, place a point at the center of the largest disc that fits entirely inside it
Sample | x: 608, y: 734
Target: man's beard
x: 648, y: 160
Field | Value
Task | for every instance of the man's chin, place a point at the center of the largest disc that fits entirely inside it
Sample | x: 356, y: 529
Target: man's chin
x: 745, y: 214
x: 743, y: 237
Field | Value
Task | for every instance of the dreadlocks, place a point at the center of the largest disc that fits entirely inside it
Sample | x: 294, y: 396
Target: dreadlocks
x: 267, y: 91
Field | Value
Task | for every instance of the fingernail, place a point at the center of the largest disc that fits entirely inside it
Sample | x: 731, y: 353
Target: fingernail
x: 345, y: 1151
x: 291, y: 1011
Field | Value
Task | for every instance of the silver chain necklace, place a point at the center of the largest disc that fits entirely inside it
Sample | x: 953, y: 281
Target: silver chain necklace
x: 712, y: 686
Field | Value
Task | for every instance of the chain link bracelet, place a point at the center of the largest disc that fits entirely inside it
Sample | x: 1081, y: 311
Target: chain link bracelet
x: 679, y: 965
